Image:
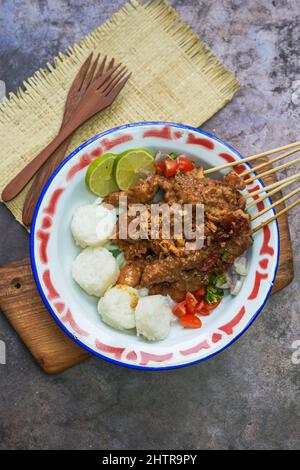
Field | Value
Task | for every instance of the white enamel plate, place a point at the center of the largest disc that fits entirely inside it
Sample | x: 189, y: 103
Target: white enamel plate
x: 53, y: 250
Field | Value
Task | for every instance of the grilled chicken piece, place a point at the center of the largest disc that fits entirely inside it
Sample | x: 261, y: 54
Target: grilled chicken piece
x: 234, y: 180
x: 164, y: 266
x: 189, y: 281
x: 207, y: 259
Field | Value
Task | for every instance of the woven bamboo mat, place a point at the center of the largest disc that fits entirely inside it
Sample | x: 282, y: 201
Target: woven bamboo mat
x: 175, y: 78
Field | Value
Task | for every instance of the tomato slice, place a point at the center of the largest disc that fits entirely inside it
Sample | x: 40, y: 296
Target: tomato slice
x: 191, y: 303
x: 184, y: 164
x: 190, y: 321
x: 180, y: 309
x: 171, y: 166
x: 200, y: 292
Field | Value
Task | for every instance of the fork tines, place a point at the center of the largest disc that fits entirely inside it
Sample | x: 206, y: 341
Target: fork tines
x: 109, y: 78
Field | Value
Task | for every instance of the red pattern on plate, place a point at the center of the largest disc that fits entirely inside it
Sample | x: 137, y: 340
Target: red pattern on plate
x: 60, y: 306
x: 164, y: 133
x: 131, y: 356
x: 216, y: 337
x: 195, y: 349
x: 97, y: 152
x: 43, y: 237
x: 178, y: 134
x: 264, y: 263
x: 51, y: 208
x: 52, y: 292
x: 108, y: 144
x: 117, y: 352
x: 227, y: 157
x: 260, y: 205
x: 46, y: 222
x: 266, y: 249
x: 68, y: 318
x: 84, y: 161
x: 255, y: 188
x: 239, y: 169
x: 192, y: 139
x: 258, y: 278
x: 228, y: 328
x: 147, y: 357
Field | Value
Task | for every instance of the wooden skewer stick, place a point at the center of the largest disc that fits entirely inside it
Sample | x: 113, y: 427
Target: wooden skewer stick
x: 229, y: 165
x: 288, y: 196
x: 272, y: 160
x: 277, y: 150
x: 252, y: 157
x: 261, y: 175
x: 267, y: 222
x: 271, y: 186
x: 270, y: 193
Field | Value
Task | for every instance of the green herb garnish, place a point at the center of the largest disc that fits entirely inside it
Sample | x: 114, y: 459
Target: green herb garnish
x: 113, y: 249
x: 121, y: 260
x: 115, y: 252
x: 173, y: 155
x: 215, y: 279
x: 213, y: 294
x: 225, y: 255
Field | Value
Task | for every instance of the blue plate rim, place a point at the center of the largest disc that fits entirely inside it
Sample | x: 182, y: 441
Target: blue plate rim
x: 34, y: 268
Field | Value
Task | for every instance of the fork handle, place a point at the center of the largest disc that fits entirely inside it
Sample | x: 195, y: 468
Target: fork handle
x: 26, y: 174
x: 41, y: 179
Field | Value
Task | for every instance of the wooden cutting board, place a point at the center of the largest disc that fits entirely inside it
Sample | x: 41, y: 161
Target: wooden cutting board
x: 49, y: 345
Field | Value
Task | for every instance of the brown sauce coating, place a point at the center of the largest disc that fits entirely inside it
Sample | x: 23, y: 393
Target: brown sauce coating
x: 165, y: 266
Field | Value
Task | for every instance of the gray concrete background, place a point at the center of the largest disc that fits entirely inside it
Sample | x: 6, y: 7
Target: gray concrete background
x: 248, y: 396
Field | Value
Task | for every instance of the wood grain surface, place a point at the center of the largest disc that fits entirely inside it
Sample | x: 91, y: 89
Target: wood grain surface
x: 24, y: 308
x: 49, y: 345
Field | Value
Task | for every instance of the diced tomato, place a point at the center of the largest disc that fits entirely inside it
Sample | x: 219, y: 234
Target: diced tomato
x: 206, y: 308
x: 190, y: 321
x: 200, y: 292
x: 171, y: 166
x: 160, y: 168
x: 191, y: 303
x: 211, y: 307
x: 180, y: 309
x: 203, y: 311
x: 199, y: 306
x: 184, y: 164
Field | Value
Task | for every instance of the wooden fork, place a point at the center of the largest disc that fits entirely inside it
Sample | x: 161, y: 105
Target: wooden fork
x: 99, y: 95
x: 81, y: 82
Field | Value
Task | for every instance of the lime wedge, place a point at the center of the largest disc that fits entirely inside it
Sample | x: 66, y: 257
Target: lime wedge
x: 131, y: 166
x: 99, y: 176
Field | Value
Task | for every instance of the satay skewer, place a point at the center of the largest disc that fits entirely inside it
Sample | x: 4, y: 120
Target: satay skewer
x: 284, y: 198
x: 269, y: 172
x: 262, y: 165
x: 267, y: 222
x: 289, y: 179
x: 279, y: 187
x: 249, y: 159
